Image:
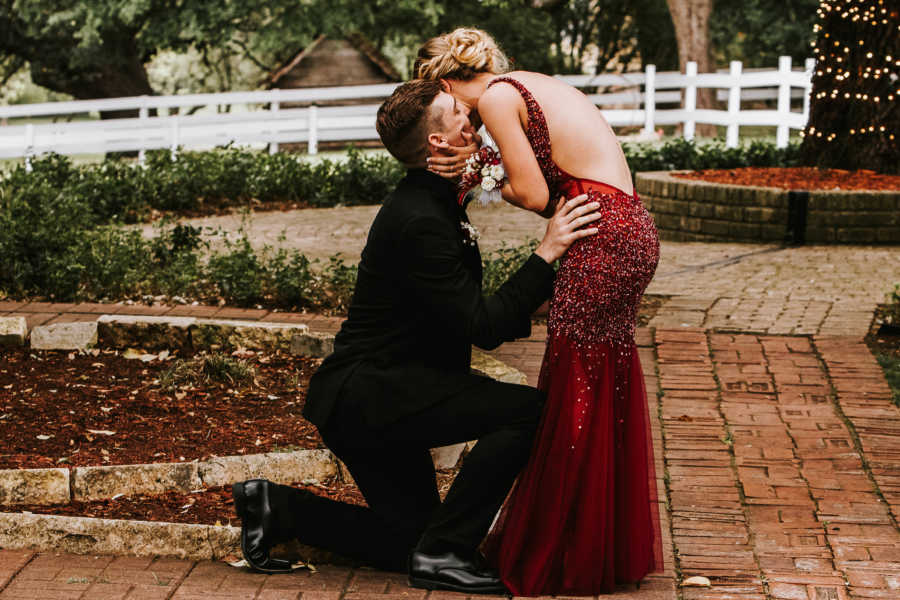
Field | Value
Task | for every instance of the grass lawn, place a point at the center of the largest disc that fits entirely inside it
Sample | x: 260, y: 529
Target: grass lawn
x: 884, y: 343
x: 891, y: 365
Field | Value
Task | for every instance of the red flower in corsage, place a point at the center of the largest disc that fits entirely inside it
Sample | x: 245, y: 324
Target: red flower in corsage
x: 484, y: 175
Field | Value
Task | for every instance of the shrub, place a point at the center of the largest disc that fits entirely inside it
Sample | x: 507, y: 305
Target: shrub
x: 291, y: 280
x: 685, y: 154
x: 892, y: 309
x: 498, y: 265
x: 39, y: 228
x: 890, y: 363
x: 110, y: 262
x: 333, y: 287
x: 177, y: 266
x: 238, y: 273
x: 203, y: 368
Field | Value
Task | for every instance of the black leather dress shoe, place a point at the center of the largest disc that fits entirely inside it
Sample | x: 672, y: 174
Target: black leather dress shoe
x: 252, y: 501
x: 452, y: 572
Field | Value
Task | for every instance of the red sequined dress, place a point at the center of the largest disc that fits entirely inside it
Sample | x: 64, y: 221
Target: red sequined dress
x: 583, y: 515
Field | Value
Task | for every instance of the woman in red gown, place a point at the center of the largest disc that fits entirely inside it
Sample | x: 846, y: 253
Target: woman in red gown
x: 583, y: 515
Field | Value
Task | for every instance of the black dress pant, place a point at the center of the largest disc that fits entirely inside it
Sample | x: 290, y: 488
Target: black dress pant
x: 393, y: 468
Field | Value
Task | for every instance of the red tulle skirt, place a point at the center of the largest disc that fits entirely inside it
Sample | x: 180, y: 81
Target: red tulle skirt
x: 583, y: 515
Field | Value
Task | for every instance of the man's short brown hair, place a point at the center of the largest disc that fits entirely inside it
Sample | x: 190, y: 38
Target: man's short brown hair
x: 407, y: 117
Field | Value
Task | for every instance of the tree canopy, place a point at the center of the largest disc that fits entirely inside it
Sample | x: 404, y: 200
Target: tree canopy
x: 100, y: 48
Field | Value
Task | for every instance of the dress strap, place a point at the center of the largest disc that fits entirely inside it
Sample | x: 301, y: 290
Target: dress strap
x: 537, y: 133
x: 536, y: 119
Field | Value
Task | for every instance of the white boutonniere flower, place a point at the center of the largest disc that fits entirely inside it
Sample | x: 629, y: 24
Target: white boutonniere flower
x: 471, y: 235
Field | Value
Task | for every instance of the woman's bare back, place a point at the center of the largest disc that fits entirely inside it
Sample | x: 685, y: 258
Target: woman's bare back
x: 582, y: 142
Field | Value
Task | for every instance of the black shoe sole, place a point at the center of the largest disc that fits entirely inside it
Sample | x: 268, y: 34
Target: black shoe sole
x: 240, y: 507
x: 428, y: 584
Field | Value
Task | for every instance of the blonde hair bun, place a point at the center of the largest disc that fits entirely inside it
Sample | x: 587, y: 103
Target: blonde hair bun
x: 460, y: 54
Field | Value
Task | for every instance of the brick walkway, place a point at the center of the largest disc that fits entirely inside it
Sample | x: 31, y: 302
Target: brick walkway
x: 776, y: 439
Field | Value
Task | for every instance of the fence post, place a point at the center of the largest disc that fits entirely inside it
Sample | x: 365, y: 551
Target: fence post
x: 690, y: 100
x: 782, y: 133
x: 274, y: 106
x: 313, y: 143
x: 734, y: 105
x: 649, y: 98
x: 173, y: 151
x: 143, y: 114
x: 29, y: 146
x: 810, y: 70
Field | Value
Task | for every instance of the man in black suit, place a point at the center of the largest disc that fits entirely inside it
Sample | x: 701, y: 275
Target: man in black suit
x: 399, y: 382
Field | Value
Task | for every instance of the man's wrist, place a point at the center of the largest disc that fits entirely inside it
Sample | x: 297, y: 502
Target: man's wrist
x: 545, y: 254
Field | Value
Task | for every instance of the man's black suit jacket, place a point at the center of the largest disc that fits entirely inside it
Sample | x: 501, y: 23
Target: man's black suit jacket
x: 417, y: 309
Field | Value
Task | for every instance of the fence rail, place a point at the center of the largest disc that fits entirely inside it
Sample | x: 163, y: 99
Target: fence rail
x: 266, y: 118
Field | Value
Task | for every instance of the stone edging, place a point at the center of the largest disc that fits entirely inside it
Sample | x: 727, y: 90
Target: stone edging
x: 60, y: 486
x: 85, y: 535
x: 167, y: 333
x: 697, y: 211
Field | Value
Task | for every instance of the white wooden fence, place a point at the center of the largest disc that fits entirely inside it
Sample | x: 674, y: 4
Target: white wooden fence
x: 260, y: 118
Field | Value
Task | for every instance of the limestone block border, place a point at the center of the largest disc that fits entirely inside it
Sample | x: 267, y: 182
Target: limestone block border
x: 696, y: 211
x: 34, y: 486
x: 13, y: 331
x: 87, y: 535
x: 60, y: 486
x: 191, y: 333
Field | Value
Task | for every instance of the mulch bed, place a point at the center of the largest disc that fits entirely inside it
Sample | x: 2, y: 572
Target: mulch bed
x: 98, y: 408
x: 798, y: 178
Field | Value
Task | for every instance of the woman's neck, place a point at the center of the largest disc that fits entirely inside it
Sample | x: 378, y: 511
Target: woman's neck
x: 470, y: 91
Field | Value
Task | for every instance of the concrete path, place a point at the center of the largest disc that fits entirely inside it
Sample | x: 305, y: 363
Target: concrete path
x: 774, y: 433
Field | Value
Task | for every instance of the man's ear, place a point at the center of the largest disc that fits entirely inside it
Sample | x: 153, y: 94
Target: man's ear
x: 445, y: 85
x: 437, y: 142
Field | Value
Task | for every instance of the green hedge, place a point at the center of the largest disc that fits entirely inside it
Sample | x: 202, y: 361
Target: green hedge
x: 116, y: 190
x: 60, y: 234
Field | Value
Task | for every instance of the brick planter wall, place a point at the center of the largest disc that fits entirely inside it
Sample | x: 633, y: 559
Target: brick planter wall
x: 689, y: 210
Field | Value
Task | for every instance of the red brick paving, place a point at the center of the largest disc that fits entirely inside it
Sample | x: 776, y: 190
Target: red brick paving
x: 777, y: 457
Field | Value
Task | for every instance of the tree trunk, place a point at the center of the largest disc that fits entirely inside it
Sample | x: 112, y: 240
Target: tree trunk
x: 124, y: 77
x: 691, y: 21
x: 122, y: 74
x: 854, y: 110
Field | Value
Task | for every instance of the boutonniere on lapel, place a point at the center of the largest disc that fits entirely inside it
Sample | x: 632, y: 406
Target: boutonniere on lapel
x: 470, y: 233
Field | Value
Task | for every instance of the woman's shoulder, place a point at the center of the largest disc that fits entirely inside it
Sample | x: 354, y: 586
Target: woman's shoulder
x: 499, y: 95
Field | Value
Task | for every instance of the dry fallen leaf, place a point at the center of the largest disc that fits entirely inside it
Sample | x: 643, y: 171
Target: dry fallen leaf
x: 240, y: 564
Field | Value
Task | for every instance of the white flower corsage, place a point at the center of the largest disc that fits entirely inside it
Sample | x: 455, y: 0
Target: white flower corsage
x: 484, y: 175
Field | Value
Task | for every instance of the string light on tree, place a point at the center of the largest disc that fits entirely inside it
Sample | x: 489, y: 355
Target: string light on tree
x: 854, y: 119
